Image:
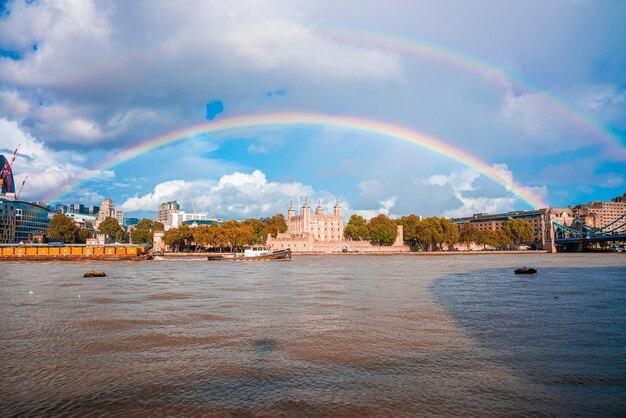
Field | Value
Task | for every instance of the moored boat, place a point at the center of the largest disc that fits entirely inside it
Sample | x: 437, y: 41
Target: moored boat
x: 255, y: 254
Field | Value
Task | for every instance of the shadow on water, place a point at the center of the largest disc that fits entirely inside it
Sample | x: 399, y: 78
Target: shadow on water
x: 564, y: 329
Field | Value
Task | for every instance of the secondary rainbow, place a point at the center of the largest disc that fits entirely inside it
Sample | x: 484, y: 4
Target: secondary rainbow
x: 273, y: 121
x: 391, y: 42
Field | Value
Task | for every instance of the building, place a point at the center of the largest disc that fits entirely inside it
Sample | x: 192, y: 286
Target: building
x: 487, y: 222
x: 83, y: 220
x: 7, y: 183
x: 180, y: 217
x: 118, y: 214
x: 20, y: 221
x: 610, y: 216
x: 166, y: 211
x: 207, y: 222
x: 130, y: 222
x: 322, y: 233
x: 107, y: 210
x: 321, y: 226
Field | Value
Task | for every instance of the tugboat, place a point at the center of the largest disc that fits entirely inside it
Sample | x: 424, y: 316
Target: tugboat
x: 258, y: 253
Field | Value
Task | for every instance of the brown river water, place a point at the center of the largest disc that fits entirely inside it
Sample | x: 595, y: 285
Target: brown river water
x: 317, y: 336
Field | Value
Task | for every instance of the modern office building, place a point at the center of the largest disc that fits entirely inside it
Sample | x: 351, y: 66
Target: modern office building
x: 20, y: 221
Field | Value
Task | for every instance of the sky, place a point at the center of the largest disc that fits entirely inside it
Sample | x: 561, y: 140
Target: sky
x: 533, y: 91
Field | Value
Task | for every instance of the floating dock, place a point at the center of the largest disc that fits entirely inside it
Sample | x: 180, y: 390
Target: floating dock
x: 37, y: 252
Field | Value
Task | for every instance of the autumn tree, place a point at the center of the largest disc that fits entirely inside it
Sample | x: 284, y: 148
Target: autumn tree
x: 356, y: 229
x: 382, y: 230
x: 518, y: 231
x: 64, y: 228
x: 237, y: 234
x: 276, y: 224
x: 260, y: 229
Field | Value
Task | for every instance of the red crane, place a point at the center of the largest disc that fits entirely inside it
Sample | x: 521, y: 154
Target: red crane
x: 17, y: 196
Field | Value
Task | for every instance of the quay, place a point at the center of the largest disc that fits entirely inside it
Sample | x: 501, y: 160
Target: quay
x: 43, y: 252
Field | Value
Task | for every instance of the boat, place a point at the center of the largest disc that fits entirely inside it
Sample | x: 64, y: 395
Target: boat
x: 525, y: 270
x: 257, y: 253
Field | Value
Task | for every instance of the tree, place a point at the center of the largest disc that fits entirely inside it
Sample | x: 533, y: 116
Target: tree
x: 409, y: 226
x: 276, y: 224
x: 260, y: 230
x: 64, y: 228
x: 356, y: 229
x: 82, y: 234
x: 176, y: 238
x: 450, y: 232
x: 518, y: 231
x: 382, y: 230
x: 429, y: 232
x: 237, y: 234
x: 143, y: 232
x: 469, y: 234
x: 111, y: 228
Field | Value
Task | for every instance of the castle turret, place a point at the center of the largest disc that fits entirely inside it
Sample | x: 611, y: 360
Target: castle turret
x: 318, y: 209
x: 337, y: 209
x: 306, y: 216
x: 290, y: 211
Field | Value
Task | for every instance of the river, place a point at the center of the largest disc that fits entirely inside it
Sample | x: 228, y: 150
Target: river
x: 318, y: 336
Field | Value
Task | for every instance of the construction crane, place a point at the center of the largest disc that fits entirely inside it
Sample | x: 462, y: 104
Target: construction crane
x: 17, y: 196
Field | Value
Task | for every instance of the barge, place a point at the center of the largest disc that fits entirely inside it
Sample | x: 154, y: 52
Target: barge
x: 43, y: 252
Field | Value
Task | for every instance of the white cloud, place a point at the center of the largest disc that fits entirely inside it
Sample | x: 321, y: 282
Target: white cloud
x: 384, y: 209
x: 612, y: 180
x: 233, y: 195
x: 49, y: 172
x: 284, y: 45
x: 463, y: 181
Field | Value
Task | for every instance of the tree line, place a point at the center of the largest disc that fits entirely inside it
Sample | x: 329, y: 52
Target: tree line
x: 230, y: 235
x: 434, y: 233
x: 64, y: 229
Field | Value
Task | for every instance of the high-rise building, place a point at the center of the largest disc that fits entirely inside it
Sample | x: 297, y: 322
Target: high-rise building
x: 166, y: 211
x: 179, y: 217
x: 7, y: 183
x: 107, y: 210
x: 119, y: 216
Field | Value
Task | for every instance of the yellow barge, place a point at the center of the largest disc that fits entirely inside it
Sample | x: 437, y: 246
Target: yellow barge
x: 34, y: 252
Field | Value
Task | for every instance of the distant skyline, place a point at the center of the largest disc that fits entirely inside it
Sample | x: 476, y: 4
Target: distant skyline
x: 525, y: 104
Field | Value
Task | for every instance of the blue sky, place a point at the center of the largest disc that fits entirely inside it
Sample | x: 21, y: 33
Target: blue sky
x: 81, y: 80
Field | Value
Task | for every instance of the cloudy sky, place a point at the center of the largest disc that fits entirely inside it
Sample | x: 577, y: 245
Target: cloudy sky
x: 535, y: 90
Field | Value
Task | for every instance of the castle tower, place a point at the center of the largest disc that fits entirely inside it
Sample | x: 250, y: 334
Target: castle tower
x: 318, y: 209
x: 337, y: 209
x: 306, y: 216
x: 290, y: 211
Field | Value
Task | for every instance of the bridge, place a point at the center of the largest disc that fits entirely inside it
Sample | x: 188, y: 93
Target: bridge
x: 582, y: 235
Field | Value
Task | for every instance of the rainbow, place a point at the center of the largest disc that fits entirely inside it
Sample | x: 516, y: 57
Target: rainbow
x: 312, y: 120
x: 487, y: 71
x: 394, y: 42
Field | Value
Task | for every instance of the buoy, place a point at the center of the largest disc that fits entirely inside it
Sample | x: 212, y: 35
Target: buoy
x: 94, y: 274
